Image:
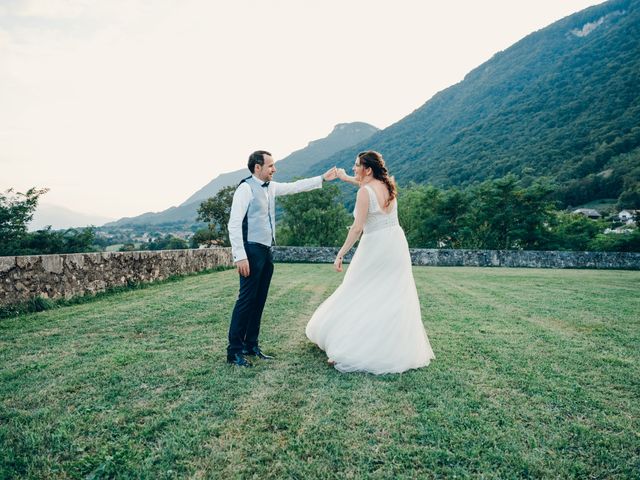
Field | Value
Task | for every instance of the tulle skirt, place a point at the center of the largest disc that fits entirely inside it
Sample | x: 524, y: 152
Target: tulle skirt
x: 372, y: 322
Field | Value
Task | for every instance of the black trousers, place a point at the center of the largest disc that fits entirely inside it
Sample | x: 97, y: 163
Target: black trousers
x: 247, y: 313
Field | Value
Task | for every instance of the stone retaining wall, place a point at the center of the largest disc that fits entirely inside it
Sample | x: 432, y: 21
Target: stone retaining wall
x: 526, y: 259
x: 66, y: 276
x: 480, y: 258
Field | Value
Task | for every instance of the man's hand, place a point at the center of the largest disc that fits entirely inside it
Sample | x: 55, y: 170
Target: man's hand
x: 331, y: 174
x: 243, y: 267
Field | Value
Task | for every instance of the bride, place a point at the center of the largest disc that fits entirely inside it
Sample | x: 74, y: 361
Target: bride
x: 372, y: 322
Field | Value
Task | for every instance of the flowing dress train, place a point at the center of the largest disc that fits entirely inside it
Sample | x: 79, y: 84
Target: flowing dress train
x: 372, y: 322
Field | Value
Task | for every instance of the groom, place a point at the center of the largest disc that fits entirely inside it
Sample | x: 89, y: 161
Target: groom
x: 252, y: 233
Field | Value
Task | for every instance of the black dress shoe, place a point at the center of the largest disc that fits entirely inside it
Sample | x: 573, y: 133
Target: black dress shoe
x: 238, y: 360
x: 256, y: 352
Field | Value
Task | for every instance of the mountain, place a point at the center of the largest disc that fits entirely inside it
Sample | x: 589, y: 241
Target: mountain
x: 299, y: 163
x: 60, y: 218
x: 563, y: 103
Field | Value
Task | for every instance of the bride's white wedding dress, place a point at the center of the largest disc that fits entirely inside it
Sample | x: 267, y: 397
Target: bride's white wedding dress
x: 372, y: 322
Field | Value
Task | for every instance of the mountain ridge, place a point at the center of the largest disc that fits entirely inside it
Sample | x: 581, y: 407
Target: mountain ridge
x: 561, y: 103
x: 298, y: 163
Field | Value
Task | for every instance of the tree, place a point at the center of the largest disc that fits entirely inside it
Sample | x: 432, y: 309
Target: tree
x: 616, y: 242
x: 493, y: 202
x: 315, y: 218
x: 533, y: 211
x: 407, y: 211
x: 46, y: 241
x: 496, y: 214
x: 506, y: 216
x: 127, y: 247
x: 16, y: 211
x: 456, y: 226
x: 419, y: 214
x: 79, y: 240
x: 629, y: 198
x: 216, y: 211
x: 168, y: 242
x: 572, y: 231
x: 205, y: 236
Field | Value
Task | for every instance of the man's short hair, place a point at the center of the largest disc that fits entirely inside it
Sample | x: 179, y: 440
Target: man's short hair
x: 256, y: 157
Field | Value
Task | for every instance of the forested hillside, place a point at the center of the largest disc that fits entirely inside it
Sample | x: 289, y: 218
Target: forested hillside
x: 563, y: 103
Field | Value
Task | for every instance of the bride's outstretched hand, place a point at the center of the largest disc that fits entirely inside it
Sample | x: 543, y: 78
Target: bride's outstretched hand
x: 337, y: 264
x: 342, y: 175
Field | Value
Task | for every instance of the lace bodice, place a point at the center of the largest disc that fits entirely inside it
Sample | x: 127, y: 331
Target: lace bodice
x: 377, y: 219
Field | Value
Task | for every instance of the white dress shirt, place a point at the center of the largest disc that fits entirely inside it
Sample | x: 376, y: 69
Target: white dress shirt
x: 242, y: 197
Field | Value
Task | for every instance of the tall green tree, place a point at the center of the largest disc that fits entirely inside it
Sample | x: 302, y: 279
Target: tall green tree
x: 204, y: 236
x: 168, y: 242
x: 316, y: 218
x: 419, y: 213
x: 572, y: 231
x: 621, y: 242
x: 506, y: 216
x: 454, y: 212
x: 47, y: 241
x: 16, y: 211
x: 215, y: 211
x: 496, y: 214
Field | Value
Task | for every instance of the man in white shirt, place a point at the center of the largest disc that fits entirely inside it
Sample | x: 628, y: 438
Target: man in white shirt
x: 252, y: 234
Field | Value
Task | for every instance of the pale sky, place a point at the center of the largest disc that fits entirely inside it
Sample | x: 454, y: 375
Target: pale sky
x: 126, y: 106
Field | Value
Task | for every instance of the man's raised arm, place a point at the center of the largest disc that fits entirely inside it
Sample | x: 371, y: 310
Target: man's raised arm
x: 305, y: 184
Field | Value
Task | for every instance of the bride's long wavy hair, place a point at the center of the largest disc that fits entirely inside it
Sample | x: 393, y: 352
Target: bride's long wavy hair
x: 373, y: 160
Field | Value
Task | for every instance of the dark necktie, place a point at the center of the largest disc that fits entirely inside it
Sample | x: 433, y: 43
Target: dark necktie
x: 265, y: 184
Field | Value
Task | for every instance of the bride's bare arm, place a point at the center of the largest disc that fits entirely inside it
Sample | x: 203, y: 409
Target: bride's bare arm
x: 362, y: 207
x: 342, y: 175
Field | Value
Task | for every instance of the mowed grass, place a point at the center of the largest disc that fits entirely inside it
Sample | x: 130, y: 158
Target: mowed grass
x: 537, y: 375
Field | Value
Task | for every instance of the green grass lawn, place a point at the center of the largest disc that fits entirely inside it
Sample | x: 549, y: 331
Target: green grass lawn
x: 537, y: 375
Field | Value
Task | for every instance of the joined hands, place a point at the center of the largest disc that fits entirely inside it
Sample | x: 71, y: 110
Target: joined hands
x: 330, y: 174
x: 340, y: 173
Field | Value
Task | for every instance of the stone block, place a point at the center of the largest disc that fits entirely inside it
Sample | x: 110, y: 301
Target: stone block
x: 75, y: 260
x: 7, y: 263
x: 52, y: 263
x: 27, y: 261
